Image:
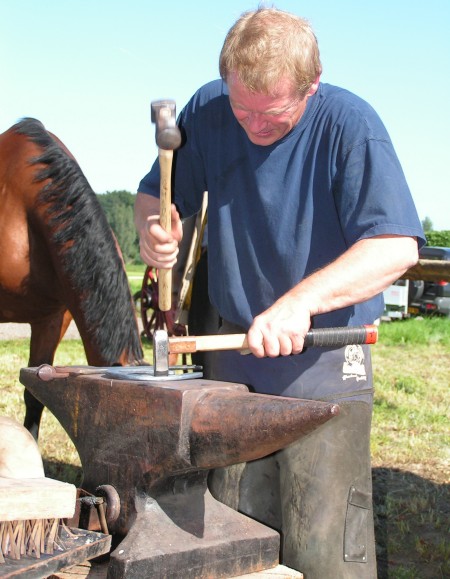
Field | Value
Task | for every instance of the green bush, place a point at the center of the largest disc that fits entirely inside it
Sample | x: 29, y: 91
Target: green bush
x: 438, y: 238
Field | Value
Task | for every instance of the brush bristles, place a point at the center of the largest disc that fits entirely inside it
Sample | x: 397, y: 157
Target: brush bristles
x: 29, y: 538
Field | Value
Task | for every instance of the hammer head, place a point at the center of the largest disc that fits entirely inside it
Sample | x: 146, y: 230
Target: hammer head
x: 160, y: 353
x: 168, y: 134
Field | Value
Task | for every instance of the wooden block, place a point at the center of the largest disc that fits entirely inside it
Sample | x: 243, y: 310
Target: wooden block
x: 100, y: 572
x: 278, y: 572
x: 39, y: 498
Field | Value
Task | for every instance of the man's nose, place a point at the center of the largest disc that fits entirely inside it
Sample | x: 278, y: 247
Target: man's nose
x: 256, y: 121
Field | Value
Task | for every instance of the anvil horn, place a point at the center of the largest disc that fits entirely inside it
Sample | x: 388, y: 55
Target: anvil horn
x: 233, y: 427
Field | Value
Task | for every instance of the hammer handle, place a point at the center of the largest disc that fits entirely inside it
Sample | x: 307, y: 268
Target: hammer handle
x: 322, y: 337
x: 165, y: 195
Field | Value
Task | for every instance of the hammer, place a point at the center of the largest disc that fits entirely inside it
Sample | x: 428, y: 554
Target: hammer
x: 168, y: 138
x: 321, y: 337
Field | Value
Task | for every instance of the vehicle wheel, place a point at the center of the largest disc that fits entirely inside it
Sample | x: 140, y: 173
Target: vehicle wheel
x: 416, y: 289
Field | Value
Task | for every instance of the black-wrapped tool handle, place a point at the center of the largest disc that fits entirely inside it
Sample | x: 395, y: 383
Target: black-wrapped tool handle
x: 322, y: 337
x: 337, y: 337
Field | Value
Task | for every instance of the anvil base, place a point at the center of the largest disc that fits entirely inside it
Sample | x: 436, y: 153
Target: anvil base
x: 192, y: 536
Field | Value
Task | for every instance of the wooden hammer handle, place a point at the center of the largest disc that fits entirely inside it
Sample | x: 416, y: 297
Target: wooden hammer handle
x: 322, y: 337
x: 165, y: 194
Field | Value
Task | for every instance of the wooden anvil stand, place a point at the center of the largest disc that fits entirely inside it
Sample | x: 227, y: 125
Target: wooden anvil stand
x: 155, y: 442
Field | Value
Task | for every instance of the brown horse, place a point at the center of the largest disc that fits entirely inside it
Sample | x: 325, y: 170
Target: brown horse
x: 59, y: 258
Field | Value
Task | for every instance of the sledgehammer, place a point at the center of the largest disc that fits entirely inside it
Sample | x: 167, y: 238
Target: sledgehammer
x: 168, y: 138
x: 320, y: 337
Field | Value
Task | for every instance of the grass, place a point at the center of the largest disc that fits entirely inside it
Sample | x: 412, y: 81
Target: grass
x: 410, y: 440
x: 411, y: 369
x: 135, y: 269
x: 410, y: 449
x: 60, y: 456
x: 135, y: 274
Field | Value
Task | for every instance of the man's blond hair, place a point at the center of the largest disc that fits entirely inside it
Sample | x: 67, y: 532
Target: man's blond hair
x: 268, y: 44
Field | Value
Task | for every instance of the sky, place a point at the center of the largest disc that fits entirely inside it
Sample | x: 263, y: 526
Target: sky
x: 89, y: 69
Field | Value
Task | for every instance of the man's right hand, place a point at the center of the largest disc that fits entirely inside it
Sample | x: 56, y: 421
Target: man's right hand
x: 158, y: 248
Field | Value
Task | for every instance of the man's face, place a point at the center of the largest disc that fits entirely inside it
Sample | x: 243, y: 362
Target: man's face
x: 266, y: 119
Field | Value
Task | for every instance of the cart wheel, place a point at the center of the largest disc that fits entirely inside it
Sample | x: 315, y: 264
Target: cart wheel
x: 152, y: 317
x: 109, y: 493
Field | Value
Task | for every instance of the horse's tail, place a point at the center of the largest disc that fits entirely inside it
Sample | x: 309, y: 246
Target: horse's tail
x: 85, y: 254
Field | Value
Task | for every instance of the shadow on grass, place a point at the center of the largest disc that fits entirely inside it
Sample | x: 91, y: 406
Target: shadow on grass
x: 412, y: 517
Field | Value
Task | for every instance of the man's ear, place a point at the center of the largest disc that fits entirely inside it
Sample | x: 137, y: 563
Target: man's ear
x: 313, y: 88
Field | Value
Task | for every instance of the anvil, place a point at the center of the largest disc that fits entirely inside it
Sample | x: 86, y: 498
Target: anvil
x: 155, y: 442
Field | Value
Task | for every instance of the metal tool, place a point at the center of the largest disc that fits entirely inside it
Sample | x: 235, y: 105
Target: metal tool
x: 168, y: 138
x: 150, y: 446
x: 46, y: 372
x: 321, y: 337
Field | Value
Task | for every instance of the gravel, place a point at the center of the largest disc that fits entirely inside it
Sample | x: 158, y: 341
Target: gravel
x: 15, y: 331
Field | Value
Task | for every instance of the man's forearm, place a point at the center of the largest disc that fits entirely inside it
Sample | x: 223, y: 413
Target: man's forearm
x: 365, y: 270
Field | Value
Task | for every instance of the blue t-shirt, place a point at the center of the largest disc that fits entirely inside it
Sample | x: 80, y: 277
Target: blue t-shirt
x: 278, y: 213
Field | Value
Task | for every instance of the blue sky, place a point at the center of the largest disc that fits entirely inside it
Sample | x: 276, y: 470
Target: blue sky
x: 88, y: 69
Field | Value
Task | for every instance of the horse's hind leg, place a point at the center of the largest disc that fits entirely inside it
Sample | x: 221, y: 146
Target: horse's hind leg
x: 45, y: 337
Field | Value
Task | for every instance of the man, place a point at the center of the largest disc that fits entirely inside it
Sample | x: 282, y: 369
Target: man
x: 309, y: 220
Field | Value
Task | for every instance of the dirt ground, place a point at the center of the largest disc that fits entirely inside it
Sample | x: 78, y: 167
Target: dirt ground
x: 17, y: 331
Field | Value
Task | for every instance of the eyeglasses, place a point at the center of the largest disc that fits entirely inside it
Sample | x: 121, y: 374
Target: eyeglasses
x: 275, y: 114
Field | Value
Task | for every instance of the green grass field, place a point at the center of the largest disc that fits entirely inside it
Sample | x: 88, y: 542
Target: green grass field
x: 135, y: 274
x: 411, y: 450
x: 410, y: 440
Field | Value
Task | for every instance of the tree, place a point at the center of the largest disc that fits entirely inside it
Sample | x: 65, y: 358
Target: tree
x: 435, y: 238
x: 119, y: 209
x: 427, y: 224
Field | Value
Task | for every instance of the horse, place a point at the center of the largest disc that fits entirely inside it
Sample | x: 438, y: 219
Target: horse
x: 59, y: 259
